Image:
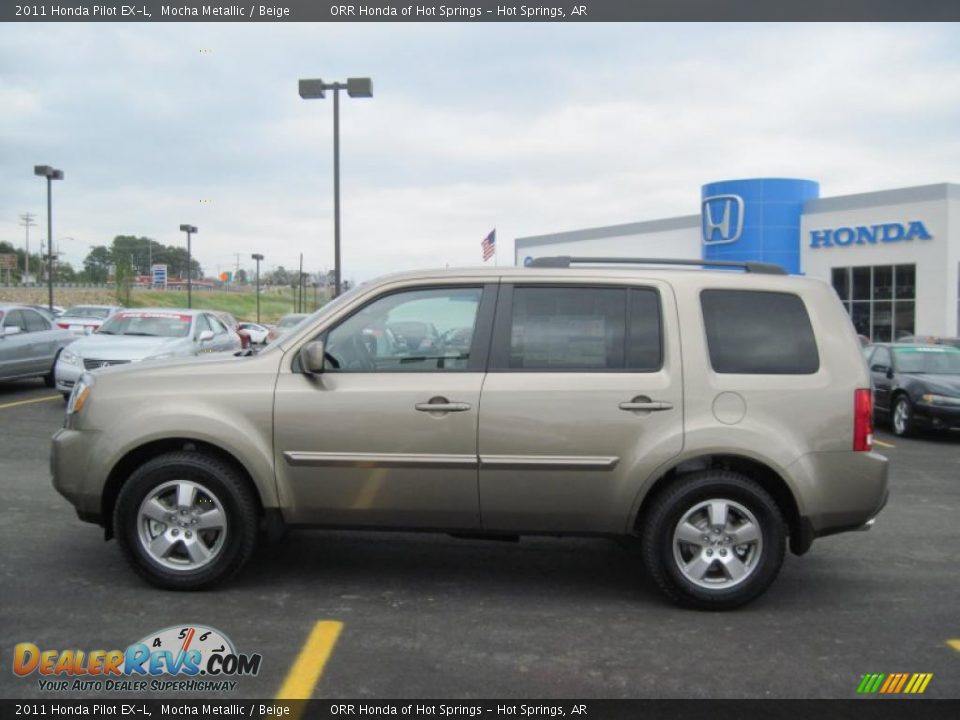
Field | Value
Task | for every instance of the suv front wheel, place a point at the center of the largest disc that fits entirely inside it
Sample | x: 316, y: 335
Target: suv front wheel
x: 714, y: 540
x: 186, y: 520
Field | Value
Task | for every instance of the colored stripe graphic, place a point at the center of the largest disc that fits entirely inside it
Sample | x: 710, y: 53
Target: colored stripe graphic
x: 903, y: 680
x: 894, y: 683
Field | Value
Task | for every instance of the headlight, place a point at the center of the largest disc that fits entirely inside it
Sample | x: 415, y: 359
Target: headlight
x: 940, y: 399
x: 70, y: 357
x: 80, y: 394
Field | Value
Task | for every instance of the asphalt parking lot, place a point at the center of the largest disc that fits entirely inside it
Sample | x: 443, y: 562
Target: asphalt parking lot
x: 430, y: 616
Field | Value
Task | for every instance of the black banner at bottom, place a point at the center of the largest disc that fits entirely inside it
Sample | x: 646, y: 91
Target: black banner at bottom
x: 860, y: 709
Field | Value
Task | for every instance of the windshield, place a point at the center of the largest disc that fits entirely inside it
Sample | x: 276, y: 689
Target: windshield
x: 84, y: 311
x: 936, y: 361
x: 150, y: 324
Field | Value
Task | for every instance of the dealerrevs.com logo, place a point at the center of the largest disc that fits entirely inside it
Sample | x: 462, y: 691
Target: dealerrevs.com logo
x: 198, y: 658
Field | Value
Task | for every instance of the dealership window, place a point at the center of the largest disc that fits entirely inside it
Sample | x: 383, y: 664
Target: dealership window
x: 881, y: 299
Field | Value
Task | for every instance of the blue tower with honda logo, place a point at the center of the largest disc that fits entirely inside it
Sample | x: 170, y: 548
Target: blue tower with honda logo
x: 756, y: 219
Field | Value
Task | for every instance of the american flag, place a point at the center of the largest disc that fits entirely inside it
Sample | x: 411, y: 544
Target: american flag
x: 489, y: 245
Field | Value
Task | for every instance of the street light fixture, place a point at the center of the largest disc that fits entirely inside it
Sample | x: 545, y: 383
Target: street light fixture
x: 51, y: 174
x: 258, y: 257
x: 189, y: 230
x: 314, y: 90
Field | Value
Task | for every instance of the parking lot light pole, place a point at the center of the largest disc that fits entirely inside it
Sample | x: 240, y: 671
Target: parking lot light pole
x: 313, y: 90
x: 189, y: 230
x: 50, y: 174
x: 258, y: 257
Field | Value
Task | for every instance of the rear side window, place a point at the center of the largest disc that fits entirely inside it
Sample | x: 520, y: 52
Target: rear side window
x: 760, y: 333
x: 35, y: 321
x: 584, y: 329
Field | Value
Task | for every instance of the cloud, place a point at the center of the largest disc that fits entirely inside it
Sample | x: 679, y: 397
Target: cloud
x: 531, y: 128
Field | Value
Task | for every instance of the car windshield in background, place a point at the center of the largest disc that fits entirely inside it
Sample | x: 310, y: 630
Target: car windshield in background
x: 88, y: 312
x: 292, y: 321
x: 936, y: 361
x: 147, y: 324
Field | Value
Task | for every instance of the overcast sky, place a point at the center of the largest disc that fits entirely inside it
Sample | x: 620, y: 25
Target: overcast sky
x: 529, y: 128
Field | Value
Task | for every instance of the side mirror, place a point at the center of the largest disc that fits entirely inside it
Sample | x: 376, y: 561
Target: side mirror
x: 205, y: 336
x: 312, y: 357
x: 10, y: 330
x: 889, y: 373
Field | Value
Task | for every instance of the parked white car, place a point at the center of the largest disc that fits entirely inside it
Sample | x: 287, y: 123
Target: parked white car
x: 144, y: 334
x: 84, y: 319
x: 258, y: 333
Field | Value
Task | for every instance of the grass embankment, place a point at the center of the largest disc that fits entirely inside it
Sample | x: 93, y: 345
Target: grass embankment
x: 242, y: 305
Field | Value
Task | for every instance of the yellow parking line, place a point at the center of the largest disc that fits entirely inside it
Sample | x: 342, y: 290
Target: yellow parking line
x: 955, y: 644
x: 308, y: 667
x: 881, y: 443
x: 28, y: 402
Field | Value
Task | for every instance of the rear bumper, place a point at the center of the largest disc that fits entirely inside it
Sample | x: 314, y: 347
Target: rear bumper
x: 837, y: 492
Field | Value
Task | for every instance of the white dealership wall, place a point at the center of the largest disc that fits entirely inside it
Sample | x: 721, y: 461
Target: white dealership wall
x: 937, y: 260
x: 677, y: 237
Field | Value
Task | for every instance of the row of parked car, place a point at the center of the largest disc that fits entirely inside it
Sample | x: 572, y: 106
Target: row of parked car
x: 60, y: 346
x: 916, y: 385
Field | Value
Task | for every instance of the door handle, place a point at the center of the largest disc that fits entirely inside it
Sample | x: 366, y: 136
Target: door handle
x: 441, y: 405
x: 646, y: 404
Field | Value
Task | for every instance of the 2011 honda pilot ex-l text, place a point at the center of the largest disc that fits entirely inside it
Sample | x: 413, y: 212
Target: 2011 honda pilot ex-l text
x: 717, y: 415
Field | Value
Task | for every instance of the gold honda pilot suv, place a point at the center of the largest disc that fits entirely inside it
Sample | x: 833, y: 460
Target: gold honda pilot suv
x: 717, y: 415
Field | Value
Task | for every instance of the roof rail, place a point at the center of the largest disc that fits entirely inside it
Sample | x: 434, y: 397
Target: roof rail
x: 565, y: 261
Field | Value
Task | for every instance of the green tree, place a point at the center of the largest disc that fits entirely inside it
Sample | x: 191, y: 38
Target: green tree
x: 96, y: 266
x: 64, y: 272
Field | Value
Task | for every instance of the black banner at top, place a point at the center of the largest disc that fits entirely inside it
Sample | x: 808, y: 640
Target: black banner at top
x: 477, y: 10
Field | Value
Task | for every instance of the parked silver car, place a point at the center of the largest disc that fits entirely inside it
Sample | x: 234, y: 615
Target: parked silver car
x: 84, y: 319
x: 29, y: 344
x: 144, y: 334
x: 716, y: 417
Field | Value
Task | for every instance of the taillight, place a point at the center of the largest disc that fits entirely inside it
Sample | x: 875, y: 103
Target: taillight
x: 862, y: 420
x: 65, y: 326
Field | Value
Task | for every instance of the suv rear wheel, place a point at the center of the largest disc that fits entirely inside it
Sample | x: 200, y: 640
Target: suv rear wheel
x: 714, y: 540
x: 186, y: 520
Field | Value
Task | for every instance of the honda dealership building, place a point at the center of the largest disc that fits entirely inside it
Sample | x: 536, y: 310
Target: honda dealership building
x: 893, y: 256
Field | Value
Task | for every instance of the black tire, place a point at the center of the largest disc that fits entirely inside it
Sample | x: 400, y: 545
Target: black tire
x: 211, y: 475
x: 50, y: 379
x: 907, y: 427
x: 673, y: 505
x: 66, y: 397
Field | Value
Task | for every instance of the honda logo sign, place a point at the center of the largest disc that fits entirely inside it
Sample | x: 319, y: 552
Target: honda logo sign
x: 722, y: 219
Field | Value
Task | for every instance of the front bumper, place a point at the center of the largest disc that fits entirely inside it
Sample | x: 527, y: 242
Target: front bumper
x: 66, y: 375
x: 937, y: 416
x: 69, y: 451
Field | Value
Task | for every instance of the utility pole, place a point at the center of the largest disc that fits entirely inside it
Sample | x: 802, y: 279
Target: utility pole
x: 237, y: 255
x: 26, y: 219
